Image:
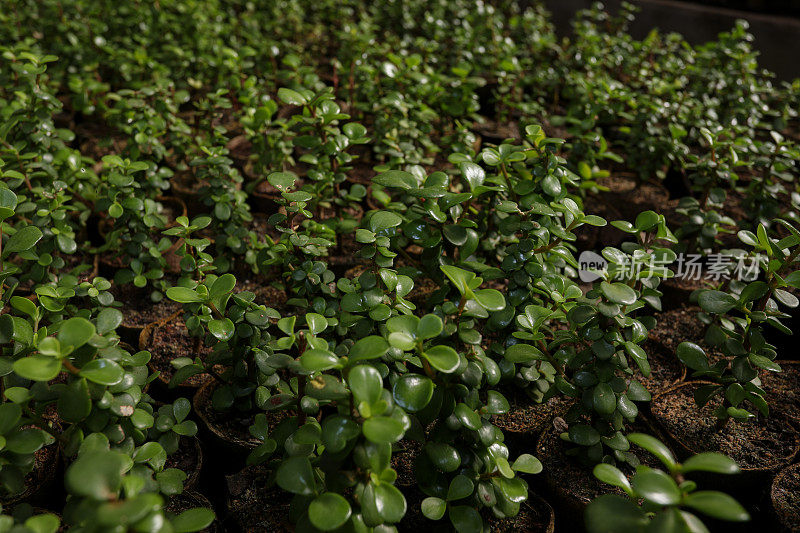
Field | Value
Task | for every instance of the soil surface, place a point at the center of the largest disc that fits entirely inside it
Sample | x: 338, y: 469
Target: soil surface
x: 139, y: 310
x: 786, y: 498
x: 632, y: 196
x: 674, y: 327
x: 534, y: 517
x: 188, y: 500
x: 574, y: 482
x: 753, y: 444
x: 665, y: 368
x: 783, y: 392
x: 252, y: 507
x: 677, y: 291
x: 170, y: 341
x: 403, y: 459
x: 40, y: 478
x: 188, y: 458
x: 526, y: 420
x: 235, y: 426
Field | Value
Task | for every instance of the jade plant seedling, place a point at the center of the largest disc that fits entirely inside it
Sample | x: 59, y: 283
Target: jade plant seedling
x: 662, y: 499
x: 737, y: 315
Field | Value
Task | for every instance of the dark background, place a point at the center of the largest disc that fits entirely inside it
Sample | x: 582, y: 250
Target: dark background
x: 775, y: 24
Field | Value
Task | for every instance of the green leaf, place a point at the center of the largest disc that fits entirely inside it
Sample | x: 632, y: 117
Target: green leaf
x: 656, y: 487
x: 337, y: 431
x: 37, y: 367
x: 466, y: 519
x: 429, y: 326
x: 103, y: 372
x: 397, y: 179
x: 97, y: 474
x: 469, y: 418
x: 296, y: 476
x: 717, y: 505
x: 108, y: 319
x: 527, y: 464
x: 443, y: 456
x: 318, y: 360
x: 442, y: 358
x: 223, y: 329
x: 692, y: 356
x: 383, y: 220
x: 283, y: 181
x: 183, y: 295
x: 716, y: 302
x: 75, y: 332
x: 365, y: 384
x: 316, y: 323
x: 522, y: 353
x: 181, y: 409
x: 433, y: 508
x: 459, y: 277
x: 612, y: 513
x: 654, y: 446
x: 473, y: 173
x: 496, y: 403
x: 460, y: 487
x: 195, y: 519
x: 646, y: 220
x: 26, y: 441
x: 74, y: 402
x: 371, y: 347
x: 618, y: 293
x: 385, y: 501
x: 24, y: 239
x: 291, y: 97
x: 604, y: 399
x: 413, y: 392
x: 170, y: 481
x: 222, y: 285
x: 583, y: 434
x: 382, y: 429
x: 43, y: 523
x: 329, y: 511
x: 491, y: 299
x: 710, y: 462
x: 613, y: 476
x: 10, y: 415
x: 8, y: 202
x: 763, y: 362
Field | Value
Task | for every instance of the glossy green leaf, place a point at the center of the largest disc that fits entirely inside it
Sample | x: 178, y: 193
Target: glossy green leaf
x: 329, y: 511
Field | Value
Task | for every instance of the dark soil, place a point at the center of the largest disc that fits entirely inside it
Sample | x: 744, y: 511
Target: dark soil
x: 753, y: 444
x: 403, y: 462
x: 265, y: 293
x: 572, y: 482
x: 565, y: 476
x: 189, y: 500
x: 535, y: 516
x: 677, y: 291
x: 631, y: 196
x: 188, y: 457
x: 253, y: 507
x: 526, y: 420
x: 40, y: 478
x: 232, y: 427
x: 170, y: 341
x: 674, y: 327
x: 665, y: 368
x: 783, y: 392
x: 138, y: 309
x: 786, y: 498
